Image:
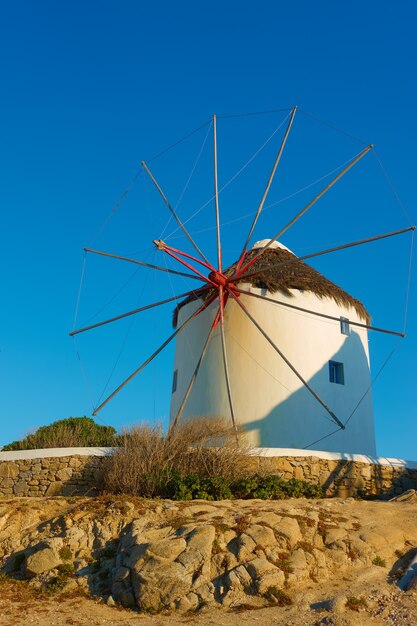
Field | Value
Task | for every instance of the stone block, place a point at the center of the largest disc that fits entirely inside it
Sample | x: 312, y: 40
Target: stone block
x: 8, y: 470
x: 21, y: 488
x: 54, y: 489
x: 64, y: 474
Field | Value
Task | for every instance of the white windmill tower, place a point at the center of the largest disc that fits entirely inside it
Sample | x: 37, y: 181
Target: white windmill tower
x: 281, y: 395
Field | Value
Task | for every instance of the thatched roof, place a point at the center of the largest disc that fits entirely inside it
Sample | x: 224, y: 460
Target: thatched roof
x: 284, y: 272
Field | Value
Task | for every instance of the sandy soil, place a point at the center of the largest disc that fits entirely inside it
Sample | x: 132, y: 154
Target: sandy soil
x: 322, y: 604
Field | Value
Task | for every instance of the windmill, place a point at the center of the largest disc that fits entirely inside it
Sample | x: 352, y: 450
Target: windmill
x: 252, y: 297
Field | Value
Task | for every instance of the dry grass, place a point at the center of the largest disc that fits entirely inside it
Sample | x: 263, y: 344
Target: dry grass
x: 147, y: 458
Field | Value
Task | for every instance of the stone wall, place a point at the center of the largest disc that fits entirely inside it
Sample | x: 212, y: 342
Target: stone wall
x: 50, y: 476
x: 78, y: 472
x: 343, y: 478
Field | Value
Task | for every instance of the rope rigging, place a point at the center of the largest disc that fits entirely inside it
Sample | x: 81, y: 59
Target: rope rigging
x: 217, y: 284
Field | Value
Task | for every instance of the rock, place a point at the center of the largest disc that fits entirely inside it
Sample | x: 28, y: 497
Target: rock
x: 334, y: 534
x: 169, y: 548
x: 373, y: 539
x: 121, y: 573
x: 238, y: 578
x: 69, y: 586
x: 198, y: 509
x: 41, y: 561
x: 193, y: 600
x: 261, y: 535
x: 298, y: 560
x: 290, y: 529
x: 245, y: 547
x: 127, y: 599
x: 265, y: 575
x: 266, y: 518
x: 155, y: 584
x: 205, y: 594
x: 197, y: 555
x: 408, y: 496
x: 183, y: 604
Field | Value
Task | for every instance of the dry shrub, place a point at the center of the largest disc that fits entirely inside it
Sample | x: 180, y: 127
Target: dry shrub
x: 147, y: 458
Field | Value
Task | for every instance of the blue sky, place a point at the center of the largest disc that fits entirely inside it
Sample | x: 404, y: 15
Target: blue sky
x: 89, y: 89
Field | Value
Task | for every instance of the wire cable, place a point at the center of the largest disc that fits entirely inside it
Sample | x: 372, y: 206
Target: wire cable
x: 124, y: 341
x: 115, y: 207
x: 177, y: 143
x: 251, y: 113
x: 391, y: 185
x: 321, y: 439
x: 79, y: 290
x: 188, y: 180
x: 229, y: 182
x: 273, y: 204
x: 373, y: 381
x: 407, y: 294
x: 333, y: 127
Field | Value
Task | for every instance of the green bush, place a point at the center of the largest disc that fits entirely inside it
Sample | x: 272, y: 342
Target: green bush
x: 67, y: 433
x: 274, y: 488
x: 193, y: 487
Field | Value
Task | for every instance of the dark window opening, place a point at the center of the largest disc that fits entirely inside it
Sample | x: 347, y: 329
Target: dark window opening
x: 344, y: 326
x: 175, y: 381
x: 336, y: 373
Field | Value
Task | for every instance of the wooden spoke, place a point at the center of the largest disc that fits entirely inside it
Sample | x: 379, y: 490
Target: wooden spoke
x: 327, y: 317
x: 322, y: 252
x: 225, y: 363
x: 216, y: 195
x: 143, y: 308
x: 290, y: 365
x: 309, y: 205
x: 154, y: 354
x: 193, y: 379
x: 173, y: 213
x: 142, y: 263
x: 265, y: 194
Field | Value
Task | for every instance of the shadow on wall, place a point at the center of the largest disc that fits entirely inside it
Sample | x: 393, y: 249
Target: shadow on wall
x: 300, y: 421
x: 356, y: 479
x: 86, y: 479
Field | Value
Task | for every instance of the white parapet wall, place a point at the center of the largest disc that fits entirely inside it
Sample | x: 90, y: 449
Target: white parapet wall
x: 44, y: 453
x: 79, y: 471
x: 334, y: 456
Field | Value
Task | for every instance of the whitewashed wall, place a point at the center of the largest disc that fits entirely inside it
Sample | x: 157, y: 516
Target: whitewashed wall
x: 269, y: 400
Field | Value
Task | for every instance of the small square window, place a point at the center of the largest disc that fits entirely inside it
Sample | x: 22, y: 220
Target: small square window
x: 344, y: 326
x: 175, y: 381
x: 336, y: 373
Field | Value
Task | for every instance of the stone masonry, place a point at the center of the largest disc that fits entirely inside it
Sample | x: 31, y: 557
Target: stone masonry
x: 81, y: 475
x: 51, y: 476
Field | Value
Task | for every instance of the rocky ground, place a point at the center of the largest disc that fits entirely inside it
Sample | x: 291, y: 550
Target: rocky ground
x: 129, y: 561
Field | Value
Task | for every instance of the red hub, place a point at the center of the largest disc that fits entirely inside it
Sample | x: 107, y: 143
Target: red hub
x: 215, y: 279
